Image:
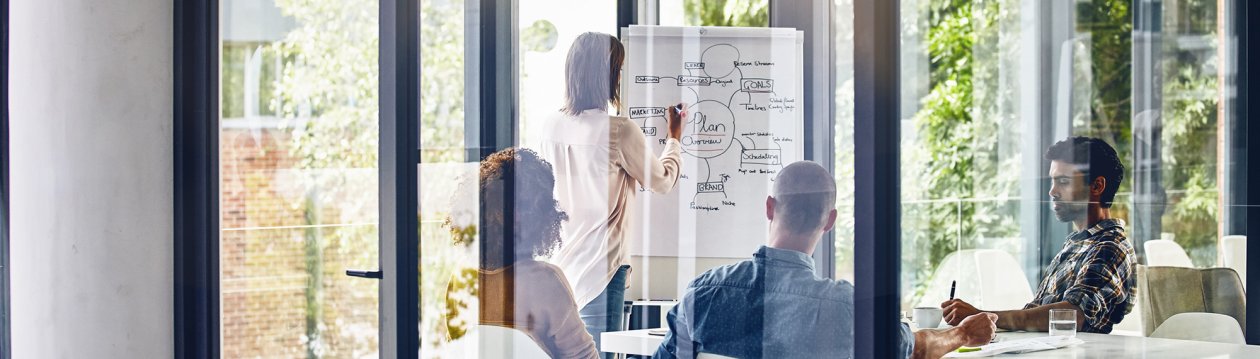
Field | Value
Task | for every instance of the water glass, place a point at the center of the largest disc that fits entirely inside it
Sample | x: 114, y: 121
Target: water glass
x: 1063, y: 323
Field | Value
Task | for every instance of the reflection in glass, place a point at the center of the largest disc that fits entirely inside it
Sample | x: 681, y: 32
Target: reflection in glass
x: 989, y: 85
x: 298, y: 204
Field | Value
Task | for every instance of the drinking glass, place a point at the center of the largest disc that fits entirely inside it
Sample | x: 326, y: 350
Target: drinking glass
x: 1063, y: 322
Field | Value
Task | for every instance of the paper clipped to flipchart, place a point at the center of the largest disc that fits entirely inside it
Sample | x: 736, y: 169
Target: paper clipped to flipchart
x: 1017, y: 346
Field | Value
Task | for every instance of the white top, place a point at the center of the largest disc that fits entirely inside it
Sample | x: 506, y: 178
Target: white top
x: 600, y: 162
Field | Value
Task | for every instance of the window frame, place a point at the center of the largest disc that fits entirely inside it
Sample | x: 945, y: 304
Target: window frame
x: 196, y: 227
x: 1241, y: 28
x: 877, y: 130
x: 877, y: 185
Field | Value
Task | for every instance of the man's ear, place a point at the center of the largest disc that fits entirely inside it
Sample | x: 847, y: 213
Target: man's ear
x: 831, y: 221
x: 1097, y: 186
x: 770, y: 208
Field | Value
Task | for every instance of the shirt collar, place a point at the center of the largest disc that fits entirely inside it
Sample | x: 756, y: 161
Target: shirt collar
x: 785, y: 256
x: 1099, y: 227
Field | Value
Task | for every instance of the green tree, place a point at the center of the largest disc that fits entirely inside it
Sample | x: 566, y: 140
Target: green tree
x: 328, y: 96
x: 1191, y: 117
x: 947, y: 128
x: 742, y: 13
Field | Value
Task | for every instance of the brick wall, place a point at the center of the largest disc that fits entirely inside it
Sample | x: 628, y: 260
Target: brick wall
x: 267, y: 258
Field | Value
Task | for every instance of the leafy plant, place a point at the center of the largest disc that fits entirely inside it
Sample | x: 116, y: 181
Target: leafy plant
x: 743, y: 13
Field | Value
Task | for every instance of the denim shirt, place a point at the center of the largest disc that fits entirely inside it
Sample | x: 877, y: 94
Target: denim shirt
x: 772, y: 306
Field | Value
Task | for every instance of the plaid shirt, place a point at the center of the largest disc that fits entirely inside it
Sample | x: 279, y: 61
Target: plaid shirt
x: 1095, y: 271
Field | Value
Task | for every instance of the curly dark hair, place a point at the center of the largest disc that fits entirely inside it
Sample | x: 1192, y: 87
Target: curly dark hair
x: 1095, y: 158
x: 519, y: 177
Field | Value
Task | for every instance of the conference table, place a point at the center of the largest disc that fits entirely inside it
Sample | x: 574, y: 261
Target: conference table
x: 1106, y: 346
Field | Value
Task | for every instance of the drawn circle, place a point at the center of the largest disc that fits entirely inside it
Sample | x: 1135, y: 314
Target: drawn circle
x: 709, y: 131
x: 719, y: 59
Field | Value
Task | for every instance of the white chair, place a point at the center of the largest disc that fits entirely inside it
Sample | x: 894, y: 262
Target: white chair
x: 1132, y: 323
x: 987, y: 278
x: 1233, y: 255
x: 1205, y: 327
x: 488, y: 341
x: 712, y: 356
x: 1165, y: 253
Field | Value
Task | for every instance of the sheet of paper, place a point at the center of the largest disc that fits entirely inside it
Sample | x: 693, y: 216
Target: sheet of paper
x: 1026, y: 345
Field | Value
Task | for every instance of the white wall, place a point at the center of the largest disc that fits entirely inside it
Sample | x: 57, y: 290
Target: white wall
x: 667, y: 277
x: 92, y: 248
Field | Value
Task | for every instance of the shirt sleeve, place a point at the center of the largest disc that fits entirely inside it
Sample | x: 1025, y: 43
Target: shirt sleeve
x: 657, y: 174
x: 1099, y: 287
x: 907, y: 341
x: 569, y: 335
x: 677, y: 343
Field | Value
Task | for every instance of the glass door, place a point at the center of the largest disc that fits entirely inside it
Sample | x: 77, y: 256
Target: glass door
x: 298, y: 147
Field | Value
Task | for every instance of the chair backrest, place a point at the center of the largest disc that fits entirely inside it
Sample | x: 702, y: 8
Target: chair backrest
x: 1233, y: 255
x: 1165, y: 253
x: 1167, y: 291
x: 712, y: 356
x: 488, y: 341
x: 1207, y: 327
x: 987, y: 278
x: 1132, y: 323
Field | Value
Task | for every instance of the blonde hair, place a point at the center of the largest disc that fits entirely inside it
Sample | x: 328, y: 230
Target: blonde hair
x: 592, y: 73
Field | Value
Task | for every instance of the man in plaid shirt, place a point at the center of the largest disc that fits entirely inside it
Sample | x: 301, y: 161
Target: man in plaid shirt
x: 1094, y: 273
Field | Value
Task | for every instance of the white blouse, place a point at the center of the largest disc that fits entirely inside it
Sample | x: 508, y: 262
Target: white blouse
x: 600, y: 161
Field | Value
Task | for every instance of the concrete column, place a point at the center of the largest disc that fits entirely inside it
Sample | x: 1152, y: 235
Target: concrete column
x: 92, y: 247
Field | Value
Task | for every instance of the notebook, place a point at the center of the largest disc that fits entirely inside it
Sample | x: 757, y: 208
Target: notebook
x: 1016, y: 346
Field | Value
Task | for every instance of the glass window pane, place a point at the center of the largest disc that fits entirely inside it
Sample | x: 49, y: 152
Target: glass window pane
x: 740, y: 13
x: 992, y: 199
x: 545, y: 38
x: 298, y: 178
x: 445, y: 261
x: 844, y: 161
x: 646, y: 211
x: 443, y: 92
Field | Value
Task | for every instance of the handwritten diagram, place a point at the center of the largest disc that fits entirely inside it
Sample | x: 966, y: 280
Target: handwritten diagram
x: 723, y: 119
x: 741, y: 89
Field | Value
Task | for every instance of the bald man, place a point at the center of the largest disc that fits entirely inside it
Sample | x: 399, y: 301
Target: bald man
x: 775, y: 306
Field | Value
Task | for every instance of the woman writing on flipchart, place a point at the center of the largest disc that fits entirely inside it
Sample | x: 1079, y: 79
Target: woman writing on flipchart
x: 601, y: 161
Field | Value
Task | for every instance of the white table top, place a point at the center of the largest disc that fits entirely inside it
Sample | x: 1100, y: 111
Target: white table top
x: 637, y: 342
x: 1096, y: 346
x: 1122, y: 346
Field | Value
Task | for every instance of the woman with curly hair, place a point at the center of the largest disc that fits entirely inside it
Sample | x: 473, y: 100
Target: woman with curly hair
x: 520, y: 222
x: 602, y: 161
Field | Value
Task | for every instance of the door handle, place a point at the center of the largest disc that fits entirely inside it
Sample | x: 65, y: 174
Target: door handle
x: 375, y: 274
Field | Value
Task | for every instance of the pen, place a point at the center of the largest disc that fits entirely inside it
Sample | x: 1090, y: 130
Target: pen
x: 952, y: 285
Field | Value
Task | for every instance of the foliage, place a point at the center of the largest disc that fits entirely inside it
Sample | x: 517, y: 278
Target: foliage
x: 743, y: 13
x: 844, y: 157
x: 442, y: 82
x: 1109, y: 24
x: 1190, y: 119
x: 956, y: 161
x: 461, y: 298
x: 948, y: 126
x: 327, y: 96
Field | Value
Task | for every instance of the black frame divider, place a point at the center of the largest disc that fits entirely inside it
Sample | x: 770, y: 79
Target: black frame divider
x: 1243, y: 16
x: 498, y: 77
x: 196, y: 179
x: 399, y: 193
x: 877, y: 143
x: 627, y: 14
